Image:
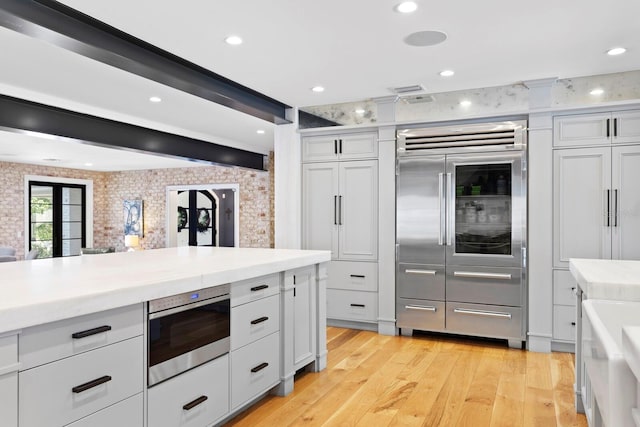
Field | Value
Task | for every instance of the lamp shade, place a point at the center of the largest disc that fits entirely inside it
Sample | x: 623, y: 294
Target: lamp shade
x: 131, y: 240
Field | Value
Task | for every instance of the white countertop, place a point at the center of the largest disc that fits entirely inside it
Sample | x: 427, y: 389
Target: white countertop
x: 607, y: 279
x: 631, y: 348
x: 46, y: 290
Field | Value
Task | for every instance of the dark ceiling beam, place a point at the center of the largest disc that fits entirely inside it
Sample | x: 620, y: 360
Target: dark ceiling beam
x: 18, y: 115
x: 70, y: 29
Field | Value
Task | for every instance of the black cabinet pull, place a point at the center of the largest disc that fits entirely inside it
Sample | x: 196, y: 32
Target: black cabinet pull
x: 357, y: 305
x: 194, y: 403
x: 259, y: 288
x: 259, y: 320
x: 91, y: 384
x: 90, y: 332
x: 335, y: 146
x: 573, y: 323
x: 260, y: 367
x: 358, y: 276
x: 615, y: 127
x: 608, y: 132
x: 340, y: 146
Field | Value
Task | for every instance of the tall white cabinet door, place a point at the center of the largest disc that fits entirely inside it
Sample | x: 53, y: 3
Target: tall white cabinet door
x: 358, y: 210
x: 581, y: 180
x: 584, y: 129
x: 304, y: 336
x: 320, y: 207
x: 626, y: 127
x: 626, y: 200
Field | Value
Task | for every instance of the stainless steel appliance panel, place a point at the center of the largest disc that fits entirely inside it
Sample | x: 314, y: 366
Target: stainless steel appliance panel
x: 421, y: 211
x: 493, y: 321
x: 486, y: 209
x: 421, y: 281
x: 485, y: 285
x: 426, y: 315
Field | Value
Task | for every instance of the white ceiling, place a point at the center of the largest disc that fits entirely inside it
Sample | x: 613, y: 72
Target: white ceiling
x: 353, y: 48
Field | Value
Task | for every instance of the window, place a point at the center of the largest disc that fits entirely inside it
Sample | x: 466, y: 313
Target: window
x: 57, y: 218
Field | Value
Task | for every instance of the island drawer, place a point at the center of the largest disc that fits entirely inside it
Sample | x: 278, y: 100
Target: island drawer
x: 125, y: 413
x: 254, y: 289
x: 254, y: 369
x: 352, y: 305
x: 53, y: 341
x: 198, y: 397
x: 564, y: 323
x: 355, y: 276
x: 255, y: 320
x: 61, y: 392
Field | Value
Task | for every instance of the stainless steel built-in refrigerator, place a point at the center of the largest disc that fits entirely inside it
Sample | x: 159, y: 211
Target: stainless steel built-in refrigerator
x: 461, y: 230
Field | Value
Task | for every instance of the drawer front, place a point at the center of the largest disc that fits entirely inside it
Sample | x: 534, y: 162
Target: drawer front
x: 421, y: 281
x: 564, y: 286
x: 8, y: 353
x: 424, y: 315
x: 167, y: 401
x: 354, y: 276
x: 255, y: 320
x: 123, y: 414
x: 254, y: 289
x: 564, y: 323
x: 9, y: 399
x: 484, y: 320
x: 254, y: 369
x: 53, y: 341
x: 49, y: 387
x: 485, y: 285
x: 352, y: 305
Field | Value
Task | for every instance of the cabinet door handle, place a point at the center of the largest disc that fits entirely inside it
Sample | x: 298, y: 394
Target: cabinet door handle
x: 335, y: 210
x: 194, y: 403
x: 608, y: 125
x: 340, y: 146
x: 91, y: 384
x: 482, y: 313
x: 357, y: 276
x: 608, y: 213
x: 418, y: 271
x: 478, y: 275
x: 260, y: 367
x: 421, y: 307
x: 259, y: 288
x: 615, y: 208
x: 615, y: 127
x: 339, y: 210
x: 259, y: 320
x: 335, y: 146
x: 573, y: 323
x: 89, y: 332
x: 357, y: 305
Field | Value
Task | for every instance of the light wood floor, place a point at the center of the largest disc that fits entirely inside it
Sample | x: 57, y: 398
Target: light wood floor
x: 376, y: 380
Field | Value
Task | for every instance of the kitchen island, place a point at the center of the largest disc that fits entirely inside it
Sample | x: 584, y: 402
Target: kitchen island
x: 43, y: 303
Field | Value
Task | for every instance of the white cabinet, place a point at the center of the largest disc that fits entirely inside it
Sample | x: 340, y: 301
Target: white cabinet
x: 304, y: 315
x: 340, y: 208
x: 620, y: 127
x: 126, y: 413
x: 9, y: 380
x: 339, y: 147
x: 596, y: 203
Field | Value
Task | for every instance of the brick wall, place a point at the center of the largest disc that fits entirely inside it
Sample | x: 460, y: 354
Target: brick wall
x: 111, y: 188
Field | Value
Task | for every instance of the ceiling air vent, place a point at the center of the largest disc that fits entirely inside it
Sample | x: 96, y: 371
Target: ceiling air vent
x: 483, y: 134
x: 407, y: 90
x: 418, y: 99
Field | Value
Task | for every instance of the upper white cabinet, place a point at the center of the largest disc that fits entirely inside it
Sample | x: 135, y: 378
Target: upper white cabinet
x: 340, y: 208
x: 339, y: 147
x: 596, y: 203
x: 620, y: 127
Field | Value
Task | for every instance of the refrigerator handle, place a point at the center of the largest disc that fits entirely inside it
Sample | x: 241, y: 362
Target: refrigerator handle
x: 450, y: 197
x: 441, y: 207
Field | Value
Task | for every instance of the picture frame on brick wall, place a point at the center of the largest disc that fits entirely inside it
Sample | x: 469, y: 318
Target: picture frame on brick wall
x: 133, y: 218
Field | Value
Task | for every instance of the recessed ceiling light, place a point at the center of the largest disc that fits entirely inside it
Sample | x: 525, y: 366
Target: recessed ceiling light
x: 597, y: 92
x: 407, y: 7
x: 88, y: 164
x: 360, y: 111
x: 447, y: 73
x: 260, y: 131
x: 616, y: 51
x: 317, y: 89
x: 465, y: 103
x: 155, y: 99
x: 233, y: 40
x: 425, y: 38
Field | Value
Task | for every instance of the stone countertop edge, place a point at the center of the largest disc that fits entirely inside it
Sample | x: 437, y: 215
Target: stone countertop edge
x: 631, y: 348
x: 85, y: 285
x: 617, y: 280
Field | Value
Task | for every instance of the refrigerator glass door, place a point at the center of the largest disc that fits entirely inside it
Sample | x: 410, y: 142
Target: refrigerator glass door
x: 486, y: 208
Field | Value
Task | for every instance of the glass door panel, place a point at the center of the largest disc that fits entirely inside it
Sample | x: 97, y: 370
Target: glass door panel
x: 41, y: 206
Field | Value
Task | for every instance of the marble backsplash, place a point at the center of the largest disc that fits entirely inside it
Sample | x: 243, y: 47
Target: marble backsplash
x: 501, y: 100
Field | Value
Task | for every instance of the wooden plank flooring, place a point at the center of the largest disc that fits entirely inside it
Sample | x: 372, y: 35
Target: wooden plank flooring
x: 377, y: 380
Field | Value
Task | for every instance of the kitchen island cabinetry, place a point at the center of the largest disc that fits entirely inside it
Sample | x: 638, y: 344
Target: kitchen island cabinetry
x: 83, y: 344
